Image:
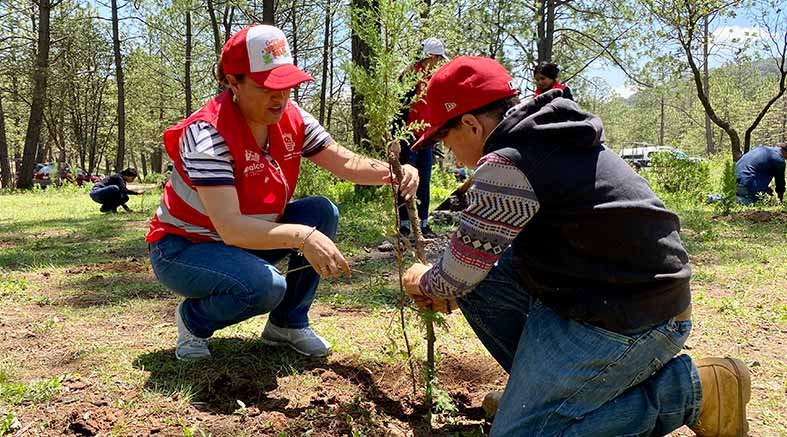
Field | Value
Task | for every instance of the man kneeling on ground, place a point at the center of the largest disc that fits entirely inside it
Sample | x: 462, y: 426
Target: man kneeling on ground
x: 570, y: 270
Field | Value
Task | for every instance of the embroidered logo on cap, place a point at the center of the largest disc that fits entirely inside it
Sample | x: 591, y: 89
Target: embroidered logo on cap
x: 274, y: 48
x: 450, y: 106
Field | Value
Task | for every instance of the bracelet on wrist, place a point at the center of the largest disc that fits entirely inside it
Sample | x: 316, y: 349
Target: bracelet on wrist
x: 303, y: 242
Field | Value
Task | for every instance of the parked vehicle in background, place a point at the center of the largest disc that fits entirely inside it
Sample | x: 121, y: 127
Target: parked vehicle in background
x: 41, y: 177
x: 641, y: 155
x: 46, y: 173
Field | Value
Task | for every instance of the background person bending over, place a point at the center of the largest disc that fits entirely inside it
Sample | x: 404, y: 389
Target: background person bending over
x: 226, y: 217
x: 112, y: 192
x: 754, y: 171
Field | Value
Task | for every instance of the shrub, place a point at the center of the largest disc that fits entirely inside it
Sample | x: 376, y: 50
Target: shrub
x: 155, y: 178
x: 674, y: 174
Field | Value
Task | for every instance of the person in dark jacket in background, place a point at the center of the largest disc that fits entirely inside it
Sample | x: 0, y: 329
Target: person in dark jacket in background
x: 755, y: 169
x: 569, y: 269
x: 545, y: 75
x: 112, y: 192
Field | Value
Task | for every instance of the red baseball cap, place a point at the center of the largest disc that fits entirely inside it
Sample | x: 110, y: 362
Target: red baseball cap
x: 262, y: 53
x: 462, y: 85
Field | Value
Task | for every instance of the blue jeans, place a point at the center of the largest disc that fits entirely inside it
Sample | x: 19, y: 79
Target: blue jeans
x: 571, y: 378
x: 224, y: 285
x: 109, y: 197
x: 422, y: 160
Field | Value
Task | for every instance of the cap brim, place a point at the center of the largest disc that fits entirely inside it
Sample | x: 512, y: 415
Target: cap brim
x: 425, y: 139
x: 280, y: 78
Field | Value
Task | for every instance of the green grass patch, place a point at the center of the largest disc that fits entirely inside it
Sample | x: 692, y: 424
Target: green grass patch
x: 16, y: 393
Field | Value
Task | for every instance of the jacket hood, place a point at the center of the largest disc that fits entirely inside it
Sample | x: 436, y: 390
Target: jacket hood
x: 547, y: 119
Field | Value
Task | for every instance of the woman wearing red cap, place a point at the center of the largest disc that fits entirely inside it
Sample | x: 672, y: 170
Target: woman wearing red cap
x: 226, y: 215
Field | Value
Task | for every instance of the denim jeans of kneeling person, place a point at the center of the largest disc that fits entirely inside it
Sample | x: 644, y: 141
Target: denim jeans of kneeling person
x: 224, y: 285
x: 570, y: 378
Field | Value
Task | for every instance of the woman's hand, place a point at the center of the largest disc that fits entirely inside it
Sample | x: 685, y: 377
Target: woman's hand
x: 324, y: 256
x: 409, y: 183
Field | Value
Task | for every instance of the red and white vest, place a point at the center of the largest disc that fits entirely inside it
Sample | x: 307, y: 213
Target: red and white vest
x: 557, y: 85
x: 264, y: 185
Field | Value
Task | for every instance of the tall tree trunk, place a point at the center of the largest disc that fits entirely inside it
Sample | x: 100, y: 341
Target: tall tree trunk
x: 331, y: 76
x: 661, y: 127
x: 550, y: 31
x: 269, y: 12
x: 709, y: 147
x: 5, y: 166
x: 425, y: 13
x: 187, y: 65
x: 783, y: 133
x: 121, y: 103
x: 326, y: 50
x: 214, y: 25
x: 33, y: 135
x: 294, y: 46
x: 735, y: 139
x: 144, y: 163
x: 361, y: 54
x: 229, y: 13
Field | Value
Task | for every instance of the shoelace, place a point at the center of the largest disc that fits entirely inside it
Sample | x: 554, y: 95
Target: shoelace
x: 191, y: 338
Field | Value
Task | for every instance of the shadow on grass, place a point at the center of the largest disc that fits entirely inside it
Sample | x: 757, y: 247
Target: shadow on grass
x: 247, y: 370
x: 99, y: 288
x: 240, y: 369
x: 25, y: 244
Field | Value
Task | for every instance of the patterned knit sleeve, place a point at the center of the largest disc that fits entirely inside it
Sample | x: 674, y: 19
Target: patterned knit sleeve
x: 500, y: 203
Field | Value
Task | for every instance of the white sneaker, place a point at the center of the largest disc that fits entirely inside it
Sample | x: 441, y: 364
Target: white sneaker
x: 304, y: 340
x: 189, y: 346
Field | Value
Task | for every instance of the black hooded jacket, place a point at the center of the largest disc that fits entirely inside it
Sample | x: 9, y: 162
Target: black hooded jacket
x: 602, y: 248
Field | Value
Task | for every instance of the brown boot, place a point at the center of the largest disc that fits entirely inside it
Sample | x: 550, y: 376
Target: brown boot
x: 491, y: 403
x: 726, y: 389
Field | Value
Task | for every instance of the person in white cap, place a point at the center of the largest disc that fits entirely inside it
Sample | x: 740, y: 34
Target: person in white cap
x: 433, y: 54
x: 226, y: 214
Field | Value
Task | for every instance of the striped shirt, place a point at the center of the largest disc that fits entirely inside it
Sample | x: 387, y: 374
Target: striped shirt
x: 207, y: 159
x: 500, y: 203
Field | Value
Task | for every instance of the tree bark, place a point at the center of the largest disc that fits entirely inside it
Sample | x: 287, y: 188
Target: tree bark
x: 144, y: 163
x: 545, y: 29
x: 187, y: 64
x: 33, y: 135
x: 661, y: 124
x: 326, y: 51
x: 709, y: 146
x: 5, y: 165
x: 269, y: 12
x: 361, y: 55
x: 214, y: 25
x: 735, y: 140
x: 121, y: 92
x: 294, y: 46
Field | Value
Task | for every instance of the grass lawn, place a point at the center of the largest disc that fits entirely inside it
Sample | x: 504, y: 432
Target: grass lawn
x: 88, y: 333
